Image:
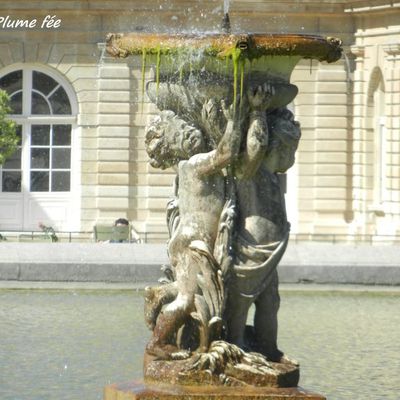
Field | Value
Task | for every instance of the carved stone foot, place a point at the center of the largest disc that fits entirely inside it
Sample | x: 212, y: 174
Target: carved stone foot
x: 224, y: 364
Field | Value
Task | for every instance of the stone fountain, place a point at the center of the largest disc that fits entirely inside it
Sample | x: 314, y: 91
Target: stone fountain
x: 225, y: 128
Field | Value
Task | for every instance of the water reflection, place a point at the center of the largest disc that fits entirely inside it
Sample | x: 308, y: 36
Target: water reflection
x: 68, y: 345
x: 347, y: 343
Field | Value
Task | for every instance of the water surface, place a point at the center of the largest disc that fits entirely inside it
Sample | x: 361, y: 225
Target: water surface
x: 67, y: 345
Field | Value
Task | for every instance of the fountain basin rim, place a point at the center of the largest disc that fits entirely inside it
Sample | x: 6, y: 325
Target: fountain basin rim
x: 251, y: 46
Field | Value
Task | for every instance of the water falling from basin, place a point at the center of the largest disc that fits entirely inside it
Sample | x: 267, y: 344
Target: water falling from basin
x: 226, y: 6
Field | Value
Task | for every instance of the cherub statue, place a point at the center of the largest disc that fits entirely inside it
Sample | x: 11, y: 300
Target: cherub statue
x: 203, y: 195
x: 199, y: 318
x: 171, y: 142
x: 262, y: 232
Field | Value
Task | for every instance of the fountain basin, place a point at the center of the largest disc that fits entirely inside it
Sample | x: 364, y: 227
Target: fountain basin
x: 273, y: 54
x: 100, y: 336
x: 220, y: 66
x: 253, y: 46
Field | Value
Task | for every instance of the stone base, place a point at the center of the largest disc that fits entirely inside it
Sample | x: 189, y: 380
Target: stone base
x: 142, y: 391
x: 235, y: 373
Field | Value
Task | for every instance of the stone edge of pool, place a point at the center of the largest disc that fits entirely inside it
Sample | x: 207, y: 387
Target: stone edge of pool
x: 138, y: 265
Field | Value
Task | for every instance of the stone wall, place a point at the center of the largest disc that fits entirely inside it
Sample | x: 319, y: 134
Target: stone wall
x: 376, y: 100
x: 335, y: 184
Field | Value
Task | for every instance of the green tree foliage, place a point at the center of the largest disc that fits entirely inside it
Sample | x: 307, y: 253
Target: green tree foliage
x: 8, y: 136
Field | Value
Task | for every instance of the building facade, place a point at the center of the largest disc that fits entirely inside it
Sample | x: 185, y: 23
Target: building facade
x: 81, y: 114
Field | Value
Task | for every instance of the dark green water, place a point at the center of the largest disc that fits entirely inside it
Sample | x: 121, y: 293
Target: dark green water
x: 60, y: 345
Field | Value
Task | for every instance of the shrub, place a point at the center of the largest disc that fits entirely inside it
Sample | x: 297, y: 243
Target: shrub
x: 8, y: 136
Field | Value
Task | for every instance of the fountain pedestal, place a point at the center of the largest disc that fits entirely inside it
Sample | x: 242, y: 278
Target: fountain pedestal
x: 142, y: 391
x: 225, y: 127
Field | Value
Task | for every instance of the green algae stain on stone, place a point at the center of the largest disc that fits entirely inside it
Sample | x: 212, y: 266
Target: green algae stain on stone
x: 158, y: 64
x: 144, y: 53
x: 235, y: 55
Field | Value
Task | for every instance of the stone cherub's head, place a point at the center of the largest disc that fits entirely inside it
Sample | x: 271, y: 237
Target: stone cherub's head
x: 284, y: 136
x: 170, y: 139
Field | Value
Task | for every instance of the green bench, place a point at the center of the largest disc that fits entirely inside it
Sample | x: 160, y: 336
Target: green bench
x: 111, y: 233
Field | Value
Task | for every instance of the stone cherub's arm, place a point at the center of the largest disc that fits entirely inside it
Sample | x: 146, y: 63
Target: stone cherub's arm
x: 212, y: 119
x: 250, y: 159
x: 228, y: 147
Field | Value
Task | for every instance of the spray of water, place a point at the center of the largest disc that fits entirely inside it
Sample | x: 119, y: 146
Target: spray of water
x: 226, y: 6
x: 100, y: 63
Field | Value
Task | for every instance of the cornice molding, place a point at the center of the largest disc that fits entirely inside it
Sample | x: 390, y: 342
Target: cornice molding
x: 392, y: 49
x: 364, y: 6
x: 357, y: 50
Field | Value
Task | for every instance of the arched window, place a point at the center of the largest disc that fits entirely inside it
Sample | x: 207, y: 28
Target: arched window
x: 38, y: 181
x: 41, y: 107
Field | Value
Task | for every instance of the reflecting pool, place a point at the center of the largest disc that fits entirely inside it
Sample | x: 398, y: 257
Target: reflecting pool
x: 60, y: 345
